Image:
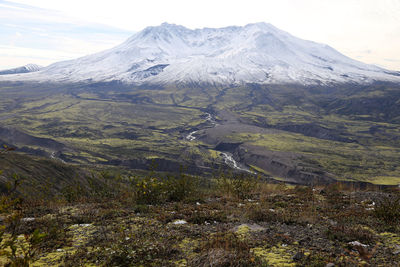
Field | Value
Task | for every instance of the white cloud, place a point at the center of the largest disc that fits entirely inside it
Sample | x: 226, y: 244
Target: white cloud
x: 35, y: 35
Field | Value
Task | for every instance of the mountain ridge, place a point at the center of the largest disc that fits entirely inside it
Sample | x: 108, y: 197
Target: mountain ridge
x: 254, y: 53
x: 23, y: 69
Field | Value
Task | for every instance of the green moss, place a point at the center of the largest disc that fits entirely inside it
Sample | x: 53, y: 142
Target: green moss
x: 387, y: 180
x: 188, y: 246
x: 274, y: 256
x: 20, y: 243
x: 81, y: 233
x: 53, y: 258
x: 243, y: 231
x: 390, y: 239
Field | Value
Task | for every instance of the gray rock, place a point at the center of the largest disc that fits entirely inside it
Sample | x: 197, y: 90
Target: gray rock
x: 332, y: 222
x: 357, y: 244
x: 29, y: 219
x: 397, y: 250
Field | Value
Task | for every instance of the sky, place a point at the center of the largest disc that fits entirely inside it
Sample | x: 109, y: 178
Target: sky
x: 47, y: 31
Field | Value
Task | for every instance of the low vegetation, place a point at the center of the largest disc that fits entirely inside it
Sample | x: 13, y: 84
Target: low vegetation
x: 153, y: 219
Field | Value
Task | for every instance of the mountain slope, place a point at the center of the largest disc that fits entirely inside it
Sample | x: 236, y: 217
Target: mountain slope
x: 255, y: 53
x: 24, y: 69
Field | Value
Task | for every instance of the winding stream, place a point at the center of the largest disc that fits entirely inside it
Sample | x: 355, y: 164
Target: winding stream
x: 53, y: 156
x: 210, y: 119
x: 230, y: 161
x: 226, y: 156
x: 190, y: 136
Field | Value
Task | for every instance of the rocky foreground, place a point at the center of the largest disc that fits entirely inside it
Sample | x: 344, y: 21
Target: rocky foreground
x: 184, y: 221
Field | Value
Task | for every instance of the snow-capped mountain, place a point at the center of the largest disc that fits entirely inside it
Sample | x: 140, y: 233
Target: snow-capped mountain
x: 24, y: 69
x: 255, y: 53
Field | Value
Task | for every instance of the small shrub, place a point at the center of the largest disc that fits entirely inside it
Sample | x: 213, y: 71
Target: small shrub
x: 388, y: 209
x: 149, y: 190
x: 154, y: 190
x: 241, y: 186
x: 21, y: 252
x: 258, y: 214
x: 182, y: 187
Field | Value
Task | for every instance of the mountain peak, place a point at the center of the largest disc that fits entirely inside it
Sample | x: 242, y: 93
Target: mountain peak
x: 263, y: 25
x: 162, y: 28
x: 254, y: 53
x: 170, y: 25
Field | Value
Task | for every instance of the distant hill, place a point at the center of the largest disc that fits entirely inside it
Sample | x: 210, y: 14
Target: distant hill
x: 24, y: 69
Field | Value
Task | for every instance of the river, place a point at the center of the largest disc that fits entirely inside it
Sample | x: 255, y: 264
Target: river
x: 226, y: 156
x: 230, y: 161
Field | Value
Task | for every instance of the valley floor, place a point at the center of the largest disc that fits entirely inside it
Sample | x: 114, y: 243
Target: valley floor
x: 289, y: 133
